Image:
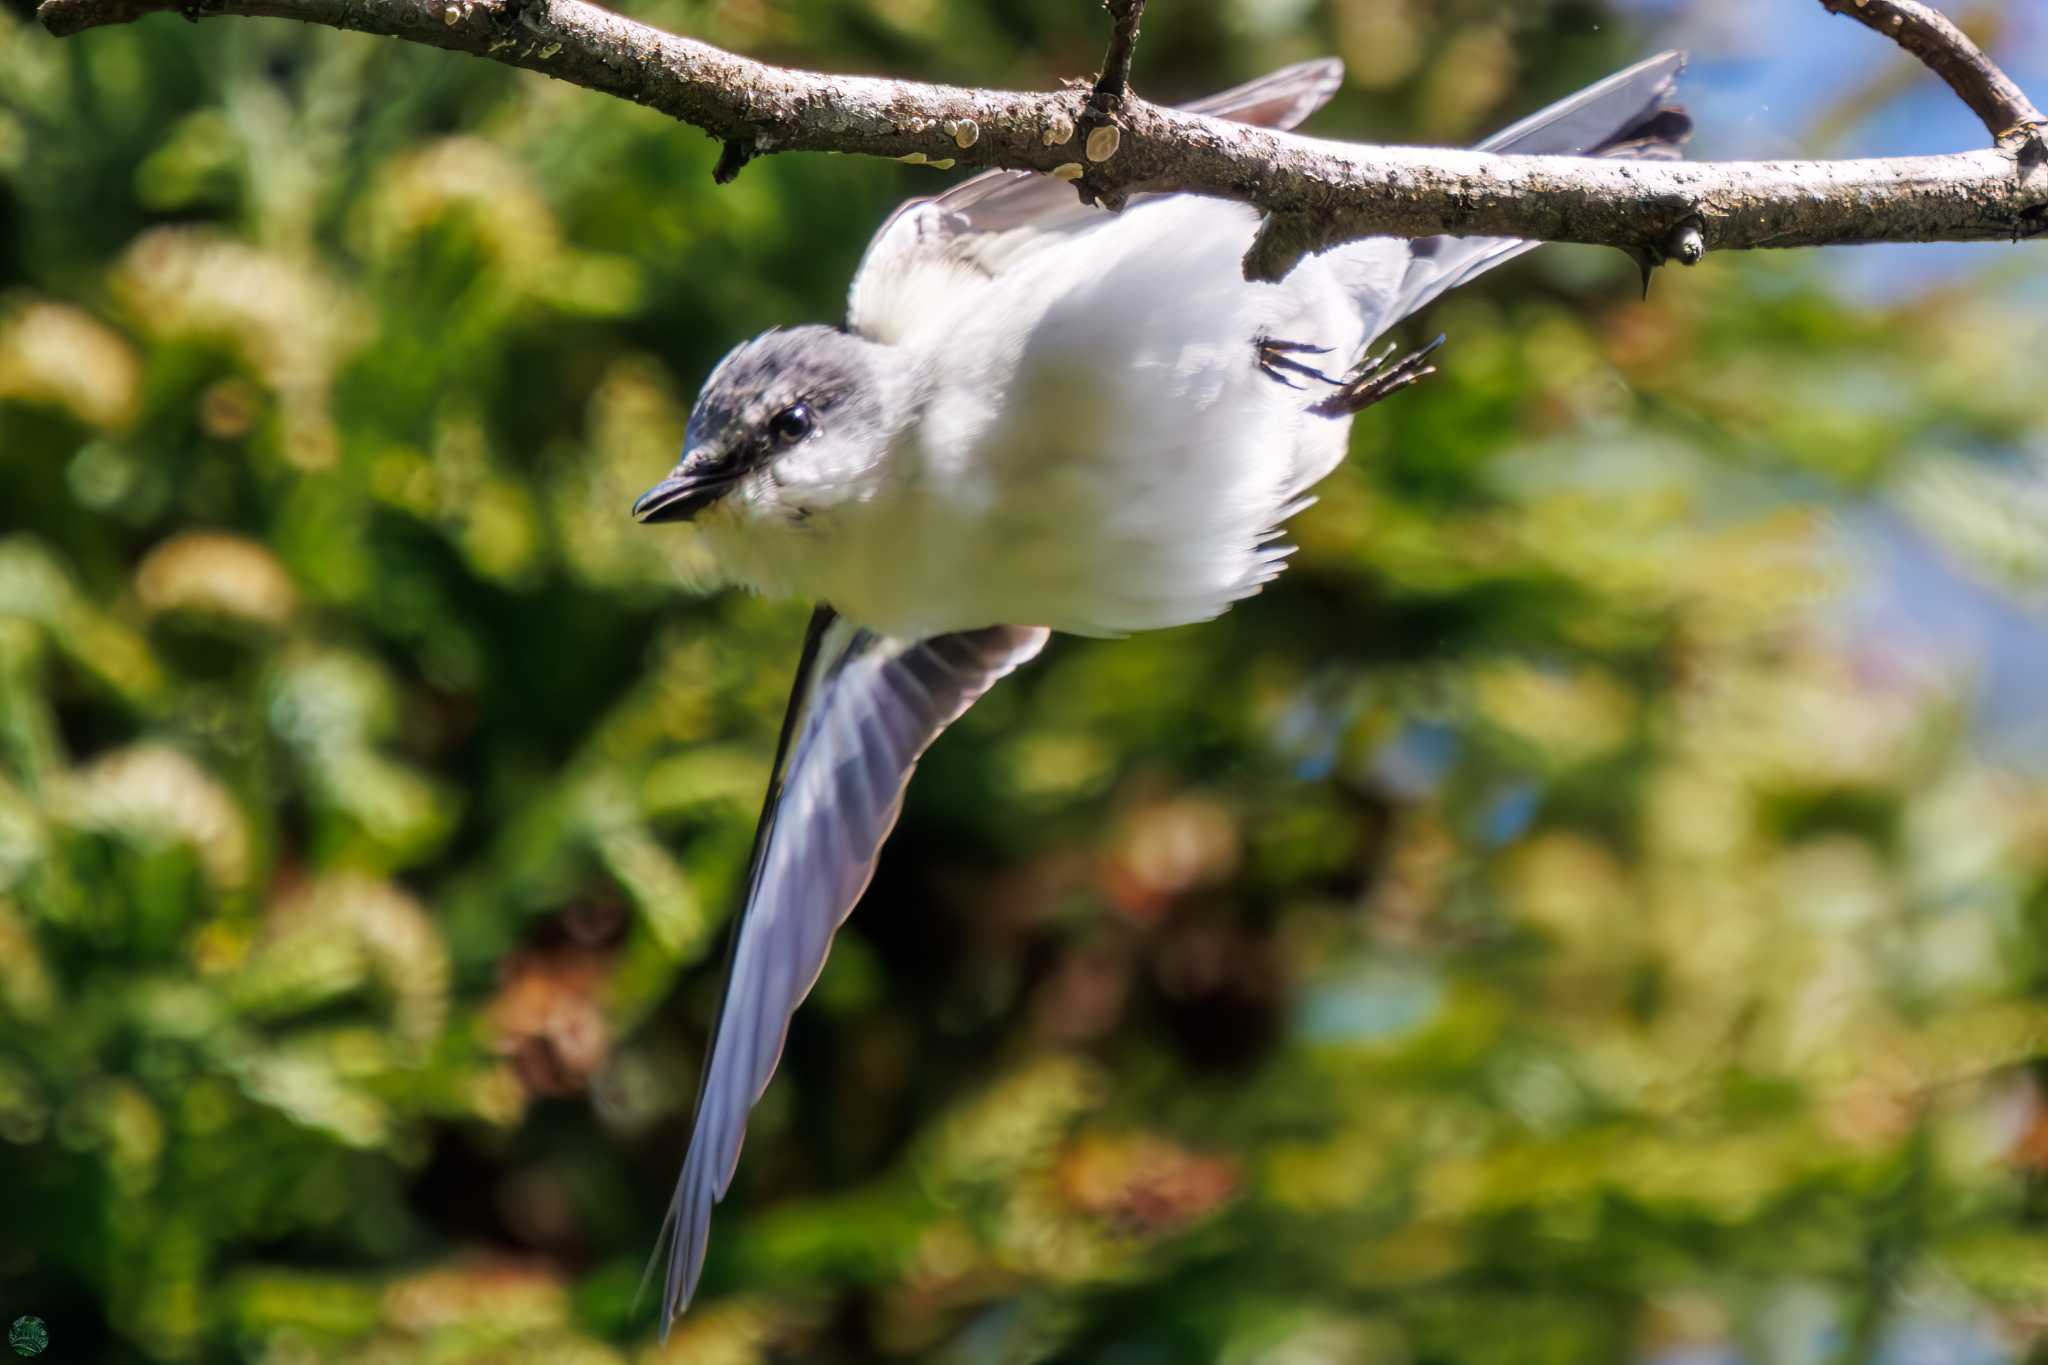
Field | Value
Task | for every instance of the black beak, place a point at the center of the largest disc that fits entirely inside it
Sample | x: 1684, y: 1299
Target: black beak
x: 680, y: 497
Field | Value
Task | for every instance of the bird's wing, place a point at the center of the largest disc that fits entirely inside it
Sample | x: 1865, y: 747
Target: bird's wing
x: 1630, y: 114
x: 930, y: 248
x: 864, y: 708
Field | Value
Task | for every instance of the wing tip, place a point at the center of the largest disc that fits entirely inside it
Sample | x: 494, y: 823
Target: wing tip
x: 1638, y: 101
x: 1670, y: 62
x: 1325, y: 75
x: 687, y: 1235
x: 1279, y: 99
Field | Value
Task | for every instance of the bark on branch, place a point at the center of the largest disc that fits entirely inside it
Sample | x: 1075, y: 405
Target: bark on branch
x: 1316, y: 194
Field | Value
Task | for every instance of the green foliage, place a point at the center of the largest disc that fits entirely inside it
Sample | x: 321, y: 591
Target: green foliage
x: 1544, y: 927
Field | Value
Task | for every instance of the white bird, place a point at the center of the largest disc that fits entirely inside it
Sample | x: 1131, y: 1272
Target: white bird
x: 1040, y: 416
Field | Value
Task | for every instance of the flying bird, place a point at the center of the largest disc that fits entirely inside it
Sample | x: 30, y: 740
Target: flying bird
x: 1039, y: 416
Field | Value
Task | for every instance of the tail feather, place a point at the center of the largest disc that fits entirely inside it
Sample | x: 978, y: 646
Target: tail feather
x: 1617, y: 109
x: 1629, y: 114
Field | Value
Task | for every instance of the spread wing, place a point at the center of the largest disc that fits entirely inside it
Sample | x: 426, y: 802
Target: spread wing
x: 864, y: 709
x: 930, y: 247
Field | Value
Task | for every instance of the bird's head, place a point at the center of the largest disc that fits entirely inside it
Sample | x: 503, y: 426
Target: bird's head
x: 789, y: 422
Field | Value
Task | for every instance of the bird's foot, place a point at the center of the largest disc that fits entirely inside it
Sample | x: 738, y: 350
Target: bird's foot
x: 1276, y: 360
x: 1375, y: 378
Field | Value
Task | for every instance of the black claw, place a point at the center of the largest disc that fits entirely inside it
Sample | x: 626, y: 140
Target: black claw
x: 1275, y: 356
x: 1375, y: 379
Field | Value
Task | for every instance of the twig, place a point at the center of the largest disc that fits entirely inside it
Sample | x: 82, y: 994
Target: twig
x: 732, y: 157
x: 1948, y: 52
x: 1316, y: 194
x: 1115, y: 81
x: 1101, y: 133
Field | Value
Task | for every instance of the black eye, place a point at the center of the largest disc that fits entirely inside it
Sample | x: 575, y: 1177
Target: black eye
x: 792, y: 424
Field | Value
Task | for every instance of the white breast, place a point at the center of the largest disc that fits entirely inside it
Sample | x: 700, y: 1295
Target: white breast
x: 1103, y: 454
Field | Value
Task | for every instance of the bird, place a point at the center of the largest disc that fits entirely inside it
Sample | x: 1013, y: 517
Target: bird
x: 1040, y: 416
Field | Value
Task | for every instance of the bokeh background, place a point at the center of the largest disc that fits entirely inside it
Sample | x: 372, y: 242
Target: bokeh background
x: 1592, y: 908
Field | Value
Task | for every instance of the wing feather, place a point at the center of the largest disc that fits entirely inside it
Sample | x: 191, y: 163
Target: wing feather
x: 864, y: 709
x: 929, y: 247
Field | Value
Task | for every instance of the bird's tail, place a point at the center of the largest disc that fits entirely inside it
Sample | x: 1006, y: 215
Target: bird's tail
x: 1630, y: 114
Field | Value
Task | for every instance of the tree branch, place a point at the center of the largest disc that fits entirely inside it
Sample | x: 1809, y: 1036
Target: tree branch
x: 1316, y: 194
x: 1948, y: 52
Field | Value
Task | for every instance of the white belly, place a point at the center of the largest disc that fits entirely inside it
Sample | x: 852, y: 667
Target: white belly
x: 1114, y: 461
